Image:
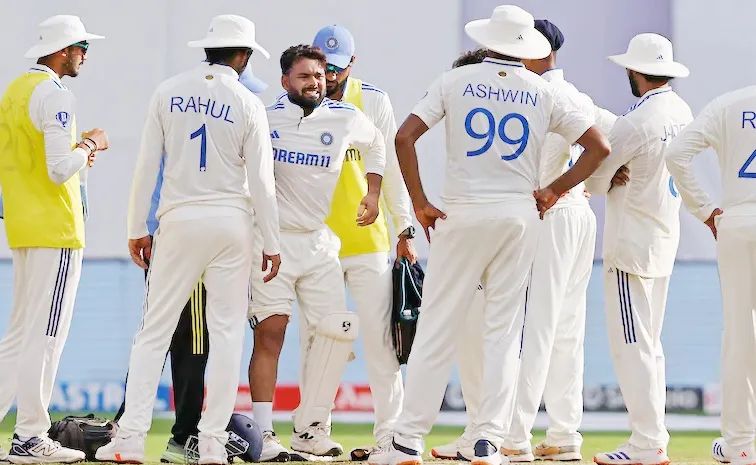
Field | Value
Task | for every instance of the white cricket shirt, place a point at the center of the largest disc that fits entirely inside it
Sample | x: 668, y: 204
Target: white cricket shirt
x: 727, y: 124
x: 216, y: 139
x: 309, y: 152
x: 642, y: 221
x: 497, y: 115
x: 558, y: 154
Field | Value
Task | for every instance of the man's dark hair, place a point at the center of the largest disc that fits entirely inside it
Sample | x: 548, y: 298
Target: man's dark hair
x: 295, y: 52
x: 223, y: 55
x: 470, y: 58
x: 656, y: 79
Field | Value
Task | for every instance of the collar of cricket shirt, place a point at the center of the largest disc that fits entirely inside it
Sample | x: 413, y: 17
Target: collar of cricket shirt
x: 553, y: 74
x: 297, y: 111
x: 498, y: 61
x: 219, y: 68
x: 651, y: 93
x: 38, y: 68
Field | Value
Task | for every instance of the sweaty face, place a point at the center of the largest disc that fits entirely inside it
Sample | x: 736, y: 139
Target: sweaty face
x: 633, y: 83
x: 305, y: 83
x: 336, y: 79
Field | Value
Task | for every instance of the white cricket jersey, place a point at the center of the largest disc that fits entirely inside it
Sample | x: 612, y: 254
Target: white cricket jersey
x: 727, y: 124
x: 497, y: 116
x: 309, y: 152
x: 558, y: 154
x: 642, y: 221
x: 216, y: 139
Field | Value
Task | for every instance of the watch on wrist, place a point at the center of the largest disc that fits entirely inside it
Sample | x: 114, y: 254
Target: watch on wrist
x: 409, y: 233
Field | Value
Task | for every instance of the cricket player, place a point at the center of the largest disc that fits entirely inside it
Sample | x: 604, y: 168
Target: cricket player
x: 497, y: 115
x: 218, y: 173
x: 551, y: 362
x: 641, y: 235
x: 728, y: 124
x: 41, y: 160
x: 365, y: 250
x: 310, y: 135
x: 190, y: 344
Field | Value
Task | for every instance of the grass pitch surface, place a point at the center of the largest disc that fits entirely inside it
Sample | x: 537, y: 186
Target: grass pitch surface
x: 692, y: 448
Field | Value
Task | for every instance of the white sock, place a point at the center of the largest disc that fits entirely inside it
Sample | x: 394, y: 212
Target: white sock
x: 263, y: 413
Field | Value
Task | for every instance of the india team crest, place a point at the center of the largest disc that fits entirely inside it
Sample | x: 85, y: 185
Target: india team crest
x: 332, y: 43
x: 326, y: 138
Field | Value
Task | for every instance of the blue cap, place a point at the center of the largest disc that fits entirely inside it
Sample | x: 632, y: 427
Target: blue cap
x: 551, y: 32
x: 251, y: 82
x: 337, y: 43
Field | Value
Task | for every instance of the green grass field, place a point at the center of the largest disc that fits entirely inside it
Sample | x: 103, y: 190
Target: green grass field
x: 683, y: 448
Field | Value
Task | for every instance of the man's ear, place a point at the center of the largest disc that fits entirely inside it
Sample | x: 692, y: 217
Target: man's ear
x: 285, y: 82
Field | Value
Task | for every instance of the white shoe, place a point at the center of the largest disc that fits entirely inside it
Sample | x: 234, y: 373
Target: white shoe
x: 272, y: 450
x: 518, y: 455
x: 315, y: 440
x: 461, y: 448
x: 627, y: 454
x: 42, y: 449
x: 544, y: 451
x: 211, y: 450
x: 487, y: 454
x: 394, y: 454
x: 721, y: 451
x: 128, y: 449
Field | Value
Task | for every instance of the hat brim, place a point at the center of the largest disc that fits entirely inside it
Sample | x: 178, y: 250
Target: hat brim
x: 661, y: 68
x: 225, y: 43
x: 44, y: 49
x: 342, y: 61
x: 533, y: 46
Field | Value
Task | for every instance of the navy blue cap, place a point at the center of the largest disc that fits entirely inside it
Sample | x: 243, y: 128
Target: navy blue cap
x: 337, y: 43
x: 551, y: 32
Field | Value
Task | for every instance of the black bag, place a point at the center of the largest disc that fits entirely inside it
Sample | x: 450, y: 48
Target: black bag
x: 86, y: 434
x: 408, y: 291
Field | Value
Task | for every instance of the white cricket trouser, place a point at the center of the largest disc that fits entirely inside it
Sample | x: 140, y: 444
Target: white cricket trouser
x: 45, y: 282
x: 634, y: 317
x: 551, y: 363
x: 310, y: 274
x: 736, y: 254
x: 484, y: 244
x: 369, y: 277
x: 470, y: 358
x: 217, y: 250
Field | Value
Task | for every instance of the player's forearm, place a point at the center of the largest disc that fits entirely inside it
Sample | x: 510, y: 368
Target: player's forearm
x: 62, y: 162
x: 407, y: 156
x: 396, y: 195
x: 695, y: 199
x: 139, y: 204
x: 596, y: 150
x: 266, y: 212
x: 374, y: 181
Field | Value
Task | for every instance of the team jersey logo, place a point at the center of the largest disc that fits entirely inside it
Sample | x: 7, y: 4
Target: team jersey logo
x: 63, y: 118
x: 326, y: 138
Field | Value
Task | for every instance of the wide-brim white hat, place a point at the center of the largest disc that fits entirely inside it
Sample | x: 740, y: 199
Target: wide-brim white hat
x: 510, y: 31
x: 230, y: 31
x: 57, y: 33
x: 651, y: 54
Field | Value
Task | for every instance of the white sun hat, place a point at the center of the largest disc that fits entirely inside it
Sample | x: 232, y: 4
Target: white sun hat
x: 230, y: 31
x: 651, y: 54
x: 510, y: 31
x: 57, y: 33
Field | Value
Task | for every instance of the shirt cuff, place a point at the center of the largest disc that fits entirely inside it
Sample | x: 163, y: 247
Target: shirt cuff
x: 704, y: 212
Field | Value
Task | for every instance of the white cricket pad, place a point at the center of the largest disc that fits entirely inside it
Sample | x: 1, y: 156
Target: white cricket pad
x: 329, y: 351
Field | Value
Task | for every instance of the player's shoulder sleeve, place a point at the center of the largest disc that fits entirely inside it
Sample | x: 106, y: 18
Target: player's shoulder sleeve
x: 568, y: 117
x: 431, y: 108
x: 51, y: 104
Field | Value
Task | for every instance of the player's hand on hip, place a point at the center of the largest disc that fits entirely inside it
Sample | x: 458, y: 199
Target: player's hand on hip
x: 427, y: 216
x: 621, y: 177
x: 99, y: 137
x: 404, y: 248
x: 368, y: 211
x: 141, y: 251
x: 545, y: 199
x: 275, y: 264
x: 710, y: 222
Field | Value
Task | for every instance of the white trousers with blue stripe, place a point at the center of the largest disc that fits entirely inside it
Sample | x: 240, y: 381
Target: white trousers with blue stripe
x: 635, y: 309
x: 45, y: 282
x: 486, y: 244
